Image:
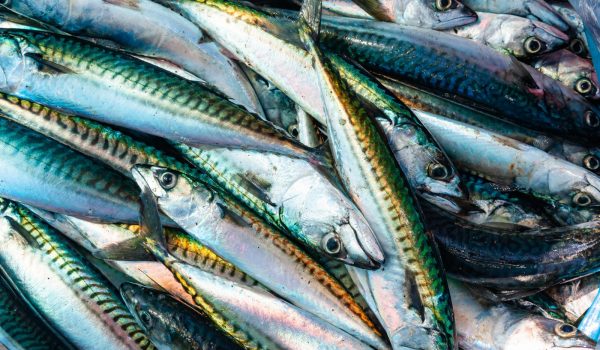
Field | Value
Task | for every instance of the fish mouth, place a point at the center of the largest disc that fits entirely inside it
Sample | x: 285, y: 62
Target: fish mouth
x: 453, y: 204
x: 127, y: 293
x: 361, y: 244
x: 145, y: 178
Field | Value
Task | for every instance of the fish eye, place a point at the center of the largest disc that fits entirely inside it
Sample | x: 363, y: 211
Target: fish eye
x: 591, y: 119
x: 293, y: 130
x: 577, y: 47
x: 533, y: 45
x: 438, y: 171
x: 582, y: 199
x: 564, y: 330
x: 331, y: 244
x: 167, y: 180
x: 591, y: 162
x: 145, y: 317
x: 443, y: 5
x: 584, y: 86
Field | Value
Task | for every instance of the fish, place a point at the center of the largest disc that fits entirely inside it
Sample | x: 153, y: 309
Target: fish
x: 281, y: 189
x: 578, y: 44
x: 62, y: 286
x: 433, y: 14
x: 576, y: 296
x: 295, y: 196
x: 589, y: 12
x: 538, y: 9
x: 419, y: 99
x: 373, y: 179
x: 571, y: 70
x: 20, y: 326
x: 514, y: 164
x: 482, y: 324
x: 346, y: 8
x: 171, y: 324
x: 35, y: 63
x: 484, y: 79
x: 513, y: 35
x: 255, y: 319
x: 147, y: 29
x: 512, y: 260
x: 256, y: 248
x: 38, y: 171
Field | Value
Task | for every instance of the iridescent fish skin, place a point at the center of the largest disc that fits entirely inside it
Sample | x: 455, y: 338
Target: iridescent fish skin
x: 571, y: 70
x: 148, y: 29
x: 170, y: 324
x: 484, y: 78
x: 539, y: 9
x: 94, y: 79
x: 62, y: 286
x: 38, y: 171
x: 483, y: 325
x: 432, y: 14
x: 513, y: 35
x: 373, y: 179
x: 258, y: 249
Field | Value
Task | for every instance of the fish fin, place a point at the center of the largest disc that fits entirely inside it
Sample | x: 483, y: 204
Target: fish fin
x: 132, y: 4
x: 128, y: 250
x: 525, y: 75
x: 23, y: 232
x: 254, y: 186
x: 48, y: 66
x: 310, y: 17
x: 150, y: 224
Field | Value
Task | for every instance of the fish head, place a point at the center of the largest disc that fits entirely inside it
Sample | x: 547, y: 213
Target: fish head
x: 13, y: 61
x: 587, y: 194
x: 534, y: 333
x: 143, y: 302
x: 539, y: 38
x: 438, y: 14
x: 330, y: 222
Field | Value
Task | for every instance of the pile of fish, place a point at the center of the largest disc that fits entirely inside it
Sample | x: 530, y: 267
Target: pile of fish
x: 317, y: 174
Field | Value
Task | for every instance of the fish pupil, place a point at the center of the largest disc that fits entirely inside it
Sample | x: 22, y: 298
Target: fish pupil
x: 591, y: 162
x: 567, y: 328
x: 591, y: 119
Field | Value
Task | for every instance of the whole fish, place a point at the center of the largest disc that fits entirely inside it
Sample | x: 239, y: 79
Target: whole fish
x: 63, y: 287
x: 21, y: 325
x: 484, y: 78
x: 256, y: 248
x: 38, y: 171
x: 513, y: 35
x: 255, y: 319
x: 281, y: 189
x: 371, y: 175
x: 589, y: 11
x: 295, y: 196
x: 419, y: 99
x: 514, y: 164
x: 539, y: 9
x: 148, y: 29
x: 36, y: 63
x: 434, y: 14
x: 571, y: 70
x: 509, y: 260
x: 170, y: 324
x: 484, y: 325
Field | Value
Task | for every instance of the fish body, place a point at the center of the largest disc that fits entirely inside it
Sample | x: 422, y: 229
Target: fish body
x: 256, y: 248
x: 513, y: 35
x: 538, y: 9
x: 346, y: 8
x: 38, y: 171
x: 150, y: 99
x: 62, y: 287
x: 371, y: 175
x: 170, y: 324
x: 575, y: 297
x: 589, y: 11
x: 147, y: 29
x: 485, y: 325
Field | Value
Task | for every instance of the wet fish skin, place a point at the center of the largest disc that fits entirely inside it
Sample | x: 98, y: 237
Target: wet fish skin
x: 38, y: 171
x: 147, y: 98
x: 414, y: 55
x: 513, y: 35
x: 370, y: 174
x: 579, y: 44
x: 502, y: 327
x: 253, y: 318
x: 148, y: 29
x: 589, y: 11
x: 511, y: 163
x: 539, y: 9
x: 171, y: 324
x: 228, y: 229
x: 575, y: 297
x: 62, y: 286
